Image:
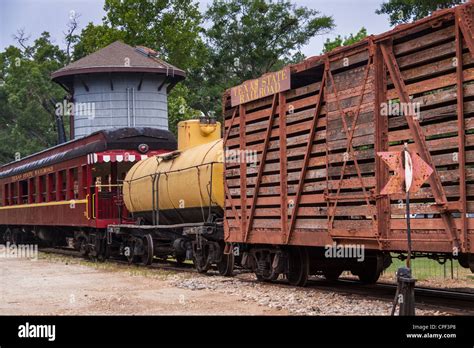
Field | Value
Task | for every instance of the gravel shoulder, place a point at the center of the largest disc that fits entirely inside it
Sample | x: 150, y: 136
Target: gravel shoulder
x: 63, y: 285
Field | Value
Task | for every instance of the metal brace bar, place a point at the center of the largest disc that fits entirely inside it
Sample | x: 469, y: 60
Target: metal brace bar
x: 283, y: 165
x: 381, y: 144
x: 230, y: 126
x: 461, y: 131
x: 229, y: 197
x: 462, y: 15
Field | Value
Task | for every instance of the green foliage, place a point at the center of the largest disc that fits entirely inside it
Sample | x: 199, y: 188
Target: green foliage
x: 178, y: 107
x: 329, y: 45
x: 247, y: 38
x: 26, y: 110
x: 171, y: 27
x: 403, y: 11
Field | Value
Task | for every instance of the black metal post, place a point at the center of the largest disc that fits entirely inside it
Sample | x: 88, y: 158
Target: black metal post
x: 405, y: 295
x: 408, y: 229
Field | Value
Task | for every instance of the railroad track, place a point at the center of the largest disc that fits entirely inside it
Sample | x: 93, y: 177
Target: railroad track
x: 452, y: 301
x: 443, y: 299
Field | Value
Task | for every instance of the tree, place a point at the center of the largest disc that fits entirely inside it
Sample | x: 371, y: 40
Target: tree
x: 247, y: 38
x: 403, y: 11
x: 171, y: 27
x: 27, y: 96
x: 329, y: 45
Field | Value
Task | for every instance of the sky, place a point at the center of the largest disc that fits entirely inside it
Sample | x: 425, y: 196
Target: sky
x: 36, y: 16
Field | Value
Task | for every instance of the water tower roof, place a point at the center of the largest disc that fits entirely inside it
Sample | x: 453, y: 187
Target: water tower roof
x: 118, y: 57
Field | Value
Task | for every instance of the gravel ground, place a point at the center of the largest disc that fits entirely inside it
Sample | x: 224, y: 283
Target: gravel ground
x: 65, y: 286
x: 60, y: 285
x: 294, y: 300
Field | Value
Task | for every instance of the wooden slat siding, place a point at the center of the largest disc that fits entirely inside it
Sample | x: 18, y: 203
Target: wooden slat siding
x: 435, y: 37
x: 261, y: 163
x: 420, y: 142
x: 345, y: 82
x: 307, y: 154
x: 335, y: 172
x: 243, y: 173
x: 425, y: 68
x: 423, y: 194
x: 318, y: 200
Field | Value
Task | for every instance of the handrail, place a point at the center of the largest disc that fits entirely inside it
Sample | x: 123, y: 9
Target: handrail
x: 107, y: 185
x: 87, y: 207
x: 93, y: 206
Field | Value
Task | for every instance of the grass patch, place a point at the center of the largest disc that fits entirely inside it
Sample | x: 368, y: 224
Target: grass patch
x: 110, y: 266
x: 424, y: 269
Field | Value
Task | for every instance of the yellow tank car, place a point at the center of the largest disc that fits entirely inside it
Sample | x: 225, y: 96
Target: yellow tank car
x: 182, y: 186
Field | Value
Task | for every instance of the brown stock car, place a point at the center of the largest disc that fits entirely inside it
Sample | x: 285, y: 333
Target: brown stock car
x: 318, y: 179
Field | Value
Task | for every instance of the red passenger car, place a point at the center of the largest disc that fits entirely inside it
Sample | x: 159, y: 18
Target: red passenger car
x: 71, y: 190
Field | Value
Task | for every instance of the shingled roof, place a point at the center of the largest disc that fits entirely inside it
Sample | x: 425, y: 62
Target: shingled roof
x: 118, y: 57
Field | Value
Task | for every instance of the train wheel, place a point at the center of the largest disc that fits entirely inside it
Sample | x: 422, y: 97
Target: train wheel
x: 264, y: 270
x: 100, y: 250
x: 368, y: 277
x: 148, y: 250
x: 369, y: 274
x: 132, y: 258
x: 17, y: 237
x: 298, y: 266
x: 201, y: 260
x: 201, y: 268
x: 270, y: 278
x: 83, y: 248
x: 7, y: 236
x: 226, y: 266
x: 180, y: 259
x: 332, y: 274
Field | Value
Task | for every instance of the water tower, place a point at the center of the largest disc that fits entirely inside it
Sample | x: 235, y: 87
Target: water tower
x: 117, y: 86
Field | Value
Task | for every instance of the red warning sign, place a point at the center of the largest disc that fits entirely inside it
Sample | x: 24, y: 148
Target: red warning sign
x: 410, y: 171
